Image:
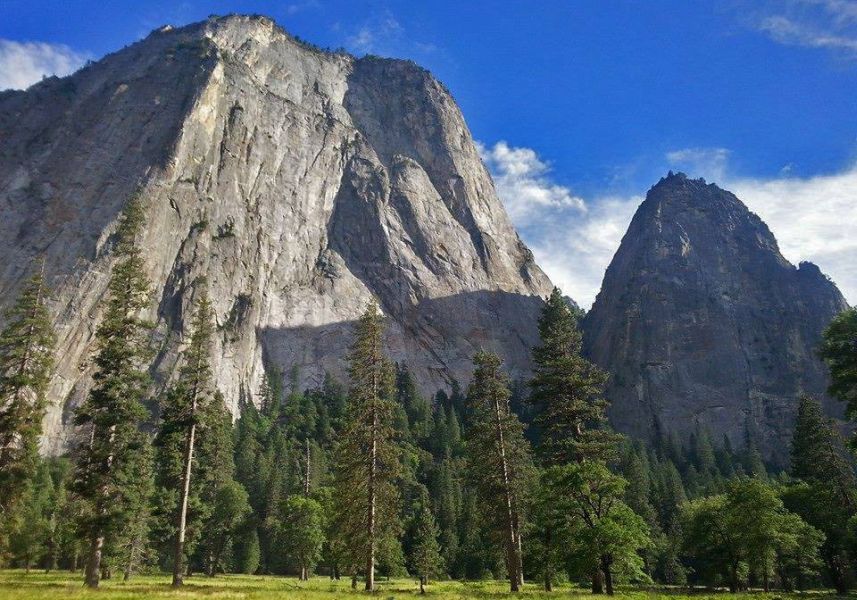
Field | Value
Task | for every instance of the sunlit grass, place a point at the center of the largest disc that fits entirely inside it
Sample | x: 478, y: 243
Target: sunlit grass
x: 68, y: 586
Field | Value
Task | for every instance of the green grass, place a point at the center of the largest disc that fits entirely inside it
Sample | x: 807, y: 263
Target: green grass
x: 68, y: 586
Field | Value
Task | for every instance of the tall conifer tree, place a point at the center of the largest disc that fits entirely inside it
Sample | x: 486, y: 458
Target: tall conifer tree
x: 498, y: 458
x: 367, y: 458
x: 114, y: 409
x: 189, y: 402
x: 26, y: 357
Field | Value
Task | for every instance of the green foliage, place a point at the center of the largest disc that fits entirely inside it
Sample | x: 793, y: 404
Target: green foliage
x: 839, y: 350
x: 301, y: 532
x: 499, y: 466
x: 747, y: 530
x: 426, y: 561
x: 825, y: 495
x: 606, y: 533
x: 113, y: 411
x: 566, y: 391
x: 367, y: 459
x: 26, y: 357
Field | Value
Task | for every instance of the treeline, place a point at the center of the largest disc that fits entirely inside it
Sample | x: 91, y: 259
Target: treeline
x: 515, y: 480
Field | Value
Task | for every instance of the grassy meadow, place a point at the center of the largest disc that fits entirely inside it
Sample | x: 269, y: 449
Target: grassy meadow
x: 36, y: 585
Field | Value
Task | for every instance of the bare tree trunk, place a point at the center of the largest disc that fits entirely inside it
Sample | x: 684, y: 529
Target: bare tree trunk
x: 178, y: 554
x: 597, y: 582
x: 608, y: 574
x: 306, y: 473
x: 93, y: 564
x: 422, y: 584
x: 512, y: 555
x: 370, y: 513
x: 354, y: 581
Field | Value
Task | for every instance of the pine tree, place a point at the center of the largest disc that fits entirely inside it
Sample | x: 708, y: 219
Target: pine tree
x: 114, y: 409
x: 188, y: 401
x: 826, y: 494
x: 566, y: 391
x: 367, y: 459
x: 26, y: 357
x: 498, y: 459
x: 839, y: 350
x: 427, y: 561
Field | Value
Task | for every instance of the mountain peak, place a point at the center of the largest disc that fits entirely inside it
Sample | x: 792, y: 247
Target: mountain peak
x: 298, y: 183
x: 703, y: 323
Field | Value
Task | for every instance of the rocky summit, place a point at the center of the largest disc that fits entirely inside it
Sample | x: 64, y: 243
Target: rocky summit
x: 703, y: 324
x: 298, y: 183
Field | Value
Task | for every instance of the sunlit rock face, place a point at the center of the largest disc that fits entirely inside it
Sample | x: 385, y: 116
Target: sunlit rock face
x: 703, y: 323
x: 299, y: 183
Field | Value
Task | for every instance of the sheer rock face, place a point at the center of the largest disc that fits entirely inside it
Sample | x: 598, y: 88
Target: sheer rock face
x: 702, y: 322
x: 299, y: 183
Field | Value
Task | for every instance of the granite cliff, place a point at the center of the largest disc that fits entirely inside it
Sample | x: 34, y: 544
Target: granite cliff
x: 703, y: 323
x: 300, y: 183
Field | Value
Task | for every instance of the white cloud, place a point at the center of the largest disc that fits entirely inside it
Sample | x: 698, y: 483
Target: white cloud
x: 826, y: 24
x: 24, y: 63
x: 574, y: 239
x: 575, y: 251
x: 813, y: 219
x: 523, y: 182
x: 708, y: 162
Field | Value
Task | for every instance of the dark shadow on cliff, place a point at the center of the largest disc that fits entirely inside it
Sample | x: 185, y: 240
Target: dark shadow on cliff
x: 437, y: 338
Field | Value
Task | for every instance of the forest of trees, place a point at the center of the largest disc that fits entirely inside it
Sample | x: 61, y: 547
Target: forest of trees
x: 515, y: 480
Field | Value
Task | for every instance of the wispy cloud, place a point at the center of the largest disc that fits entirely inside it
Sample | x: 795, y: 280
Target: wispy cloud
x: 825, y: 24
x: 296, y: 7
x: 709, y: 162
x: 574, y: 239
x: 378, y: 35
x: 24, y: 63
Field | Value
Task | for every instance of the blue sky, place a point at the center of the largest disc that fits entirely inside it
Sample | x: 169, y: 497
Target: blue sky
x: 580, y: 106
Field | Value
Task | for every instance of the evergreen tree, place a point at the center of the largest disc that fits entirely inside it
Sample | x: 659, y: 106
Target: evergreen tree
x: 566, y: 390
x: 427, y: 561
x: 839, y: 350
x: 367, y: 458
x: 826, y: 494
x: 26, y: 357
x: 498, y: 459
x: 29, y: 539
x: 187, y: 404
x: 113, y: 410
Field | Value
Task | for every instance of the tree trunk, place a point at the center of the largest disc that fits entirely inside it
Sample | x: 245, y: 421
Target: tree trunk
x: 354, y: 581
x: 513, y: 558
x: 93, y: 563
x: 422, y: 585
x: 597, y: 582
x: 733, y: 580
x: 306, y: 474
x: 608, y: 574
x: 178, y: 553
x: 370, y: 512
x: 548, y: 565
